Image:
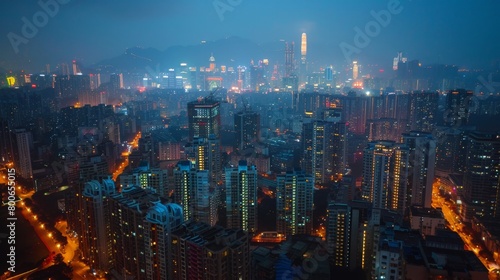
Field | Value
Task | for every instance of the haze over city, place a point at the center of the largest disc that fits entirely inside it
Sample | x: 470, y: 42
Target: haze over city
x: 458, y: 32
x: 250, y: 140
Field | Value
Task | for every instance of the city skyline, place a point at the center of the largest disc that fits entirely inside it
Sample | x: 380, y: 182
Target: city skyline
x: 431, y: 32
x: 233, y: 139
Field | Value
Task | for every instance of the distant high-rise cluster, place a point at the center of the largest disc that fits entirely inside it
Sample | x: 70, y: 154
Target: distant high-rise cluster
x: 276, y: 167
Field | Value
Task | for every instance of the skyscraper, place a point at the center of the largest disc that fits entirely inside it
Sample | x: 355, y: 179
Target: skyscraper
x: 22, y: 156
x: 422, y: 159
x: 116, y: 81
x: 303, y: 59
x: 423, y: 110
x: 192, y: 191
x: 207, y: 156
x: 247, y: 128
x: 294, y: 203
x: 289, y: 59
x: 348, y: 234
x: 324, y: 146
x: 154, y: 178
x: 385, y: 175
x: 457, y: 107
x: 290, y: 79
x: 96, y: 239
x: 482, y: 175
x: 141, y: 223
x: 241, y: 197
x: 204, y: 118
x: 355, y: 70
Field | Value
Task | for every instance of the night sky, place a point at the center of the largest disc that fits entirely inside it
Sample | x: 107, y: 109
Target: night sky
x: 460, y: 32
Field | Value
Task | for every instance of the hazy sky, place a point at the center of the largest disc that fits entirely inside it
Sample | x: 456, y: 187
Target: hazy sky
x: 462, y: 32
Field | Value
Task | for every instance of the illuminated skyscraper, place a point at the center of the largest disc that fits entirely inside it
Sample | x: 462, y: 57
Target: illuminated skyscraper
x: 303, y: 59
x: 355, y: 70
x: 212, y: 63
x: 141, y: 223
x: 204, y: 118
x: 241, y: 197
x: 192, y: 191
x: 154, y: 178
x: 482, y: 175
x: 348, y: 234
x: 423, y: 110
x: 385, y: 175
x: 96, y: 239
x: 294, y: 203
x: 398, y: 59
x: 422, y: 159
x: 324, y: 146
x: 207, y: 156
x: 76, y: 71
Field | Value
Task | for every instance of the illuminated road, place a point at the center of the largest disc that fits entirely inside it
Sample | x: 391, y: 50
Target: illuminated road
x: 456, y: 225
x: 133, y: 145
x: 80, y: 270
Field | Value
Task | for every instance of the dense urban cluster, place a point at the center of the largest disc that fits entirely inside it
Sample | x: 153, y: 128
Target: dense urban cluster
x: 272, y: 170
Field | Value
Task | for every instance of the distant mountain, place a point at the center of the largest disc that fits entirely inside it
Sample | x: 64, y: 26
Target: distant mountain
x: 231, y: 51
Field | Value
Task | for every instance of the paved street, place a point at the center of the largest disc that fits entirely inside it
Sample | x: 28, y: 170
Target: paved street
x: 456, y: 224
x: 69, y: 252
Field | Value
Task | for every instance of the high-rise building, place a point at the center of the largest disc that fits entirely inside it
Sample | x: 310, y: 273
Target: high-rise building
x: 458, y: 103
x: 204, y: 118
x: 324, y: 146
x: 247, y: 128
x: 423, y: 110
x: 161, y: 219
x: 355, y: 70
x: 294, y: 203
x: 76, y: 70
x: 398, y: 59
x: 116, y: 81
x: 207, y: 156
x: 303, y: 59
x: 290, y: 79
x: 348, y: 233
x: 154, y: 178
x: 22, y: 156
x: 200, y: 251
x: 422, y: 160
x: 385, y: 175
x: 6, y: 142
x: 482, y: 175
x: 192, y: 191
x: 451, y: 149
x: 241, y: 197
x: 141, y: 223
x: 96, y: 240
x: 289, y: 59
